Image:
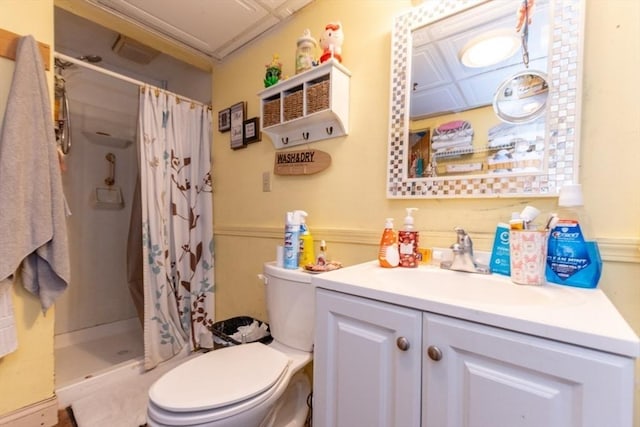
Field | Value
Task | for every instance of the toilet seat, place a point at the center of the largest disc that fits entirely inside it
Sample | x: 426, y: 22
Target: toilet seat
x: 227, y: 381
x: 161, y: 417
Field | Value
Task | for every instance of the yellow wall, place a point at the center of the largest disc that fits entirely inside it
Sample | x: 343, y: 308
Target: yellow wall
x: 347, y: 202
x: 26, y: 376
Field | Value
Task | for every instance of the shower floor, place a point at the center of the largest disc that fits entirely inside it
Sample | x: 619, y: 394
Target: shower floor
x: 100, y: 374
x: 86, y: 353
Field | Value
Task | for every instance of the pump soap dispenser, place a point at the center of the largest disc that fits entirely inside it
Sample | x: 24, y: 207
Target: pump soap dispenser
x: 388, y: 255
x: 408, y: 241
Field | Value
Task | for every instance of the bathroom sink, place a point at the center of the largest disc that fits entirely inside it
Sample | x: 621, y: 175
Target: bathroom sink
x: 456, y: 287
x: 478, y: 288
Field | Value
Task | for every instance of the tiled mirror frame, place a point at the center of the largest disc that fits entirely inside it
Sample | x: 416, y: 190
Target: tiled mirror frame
x: 562, y: 116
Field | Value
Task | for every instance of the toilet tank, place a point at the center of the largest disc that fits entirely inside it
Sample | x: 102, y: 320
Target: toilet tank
x: 290, y: 306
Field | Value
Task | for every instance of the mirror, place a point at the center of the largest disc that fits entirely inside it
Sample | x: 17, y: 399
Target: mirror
x: 476, y: 108
x: 522, y: 98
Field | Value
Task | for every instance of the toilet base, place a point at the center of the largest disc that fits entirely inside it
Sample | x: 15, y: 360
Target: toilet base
x: 291, y: 409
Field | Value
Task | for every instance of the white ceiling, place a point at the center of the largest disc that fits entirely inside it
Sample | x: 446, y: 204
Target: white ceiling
x: 76, y: 37
x: 215, y: 28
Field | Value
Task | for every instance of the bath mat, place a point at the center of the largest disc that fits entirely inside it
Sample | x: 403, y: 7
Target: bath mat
x: 124, y: 404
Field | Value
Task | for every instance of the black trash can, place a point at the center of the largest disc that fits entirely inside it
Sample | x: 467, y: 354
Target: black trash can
x: 225, y: 328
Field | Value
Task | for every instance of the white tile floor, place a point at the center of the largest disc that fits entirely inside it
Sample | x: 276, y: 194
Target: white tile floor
x: 86, y: 353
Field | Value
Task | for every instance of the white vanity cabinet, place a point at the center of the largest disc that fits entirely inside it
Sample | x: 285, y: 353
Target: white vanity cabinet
x: 308, y: 107
x: 366, y: 363
x: 477, y: 375
x: 435, y: 348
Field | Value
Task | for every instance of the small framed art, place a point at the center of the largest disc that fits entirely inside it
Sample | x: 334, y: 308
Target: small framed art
x: 237, y: 128
x: 224, y: 120
x: 251, y: 130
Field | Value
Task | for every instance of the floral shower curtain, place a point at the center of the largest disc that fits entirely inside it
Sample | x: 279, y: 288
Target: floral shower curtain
x: 177, y: 227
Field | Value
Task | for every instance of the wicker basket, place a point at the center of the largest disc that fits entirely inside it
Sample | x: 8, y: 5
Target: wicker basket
x: 293, y: 105
x: 271, y: 113
x: 318, y: 97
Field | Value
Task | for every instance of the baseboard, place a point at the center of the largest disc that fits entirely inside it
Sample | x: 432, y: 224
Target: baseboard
x: 43, y: 413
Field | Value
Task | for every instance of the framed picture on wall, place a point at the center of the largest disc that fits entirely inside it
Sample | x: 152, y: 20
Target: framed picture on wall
x: 251, y: 130
x: 224, y: 120
x: 237, y: 128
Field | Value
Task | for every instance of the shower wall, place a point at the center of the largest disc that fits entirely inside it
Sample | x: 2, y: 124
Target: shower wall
x: 103, y: 120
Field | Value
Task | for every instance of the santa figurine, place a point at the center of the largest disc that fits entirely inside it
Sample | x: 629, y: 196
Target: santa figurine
x: 331, y: 42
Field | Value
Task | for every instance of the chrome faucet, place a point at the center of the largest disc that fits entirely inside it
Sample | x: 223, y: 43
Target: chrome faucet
x: 463, y: 259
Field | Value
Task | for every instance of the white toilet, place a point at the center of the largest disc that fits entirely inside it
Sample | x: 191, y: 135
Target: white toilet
x: 249, y: 385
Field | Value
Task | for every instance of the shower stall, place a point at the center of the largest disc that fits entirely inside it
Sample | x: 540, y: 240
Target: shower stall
x: 96, y: 325
x: 98, y: 335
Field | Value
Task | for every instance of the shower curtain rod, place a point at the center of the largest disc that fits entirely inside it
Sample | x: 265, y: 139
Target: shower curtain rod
x: 118, y: 76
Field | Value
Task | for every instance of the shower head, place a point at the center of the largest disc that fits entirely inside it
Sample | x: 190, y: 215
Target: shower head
x: 93, y: 59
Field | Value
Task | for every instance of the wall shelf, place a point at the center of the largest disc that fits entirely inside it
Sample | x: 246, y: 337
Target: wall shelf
x: 308, y: 107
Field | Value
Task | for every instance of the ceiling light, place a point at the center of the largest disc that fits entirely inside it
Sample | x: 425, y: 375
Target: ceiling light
x: 490, y: 48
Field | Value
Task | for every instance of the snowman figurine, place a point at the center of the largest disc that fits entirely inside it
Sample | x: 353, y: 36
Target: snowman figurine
x: 331, y: 42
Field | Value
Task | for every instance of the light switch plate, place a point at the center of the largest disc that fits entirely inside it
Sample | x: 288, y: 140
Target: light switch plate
x: 266, y: 182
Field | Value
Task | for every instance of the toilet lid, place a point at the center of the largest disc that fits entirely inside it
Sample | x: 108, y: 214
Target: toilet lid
x: 219, y: 378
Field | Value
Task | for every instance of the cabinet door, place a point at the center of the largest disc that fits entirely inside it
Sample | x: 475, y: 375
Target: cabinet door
x: 492, y: 377
x: 362, y: 376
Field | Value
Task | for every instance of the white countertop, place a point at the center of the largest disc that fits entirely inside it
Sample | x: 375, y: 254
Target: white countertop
x: 583, y: 317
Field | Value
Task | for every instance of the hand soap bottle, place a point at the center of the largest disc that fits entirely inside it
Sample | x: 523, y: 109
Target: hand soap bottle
x: 388, y: 255
x: 408, y: 242
x: 307, y: 256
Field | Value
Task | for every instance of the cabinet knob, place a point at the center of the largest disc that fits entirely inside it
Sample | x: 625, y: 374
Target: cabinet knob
x: 434, y: 353
x: 403, y: 343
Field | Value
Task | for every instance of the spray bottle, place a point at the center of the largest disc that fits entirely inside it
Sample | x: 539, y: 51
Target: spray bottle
x: 307, y: 255
x: 292, y: 239
x: 388, y: 255
x: 408, y: 241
